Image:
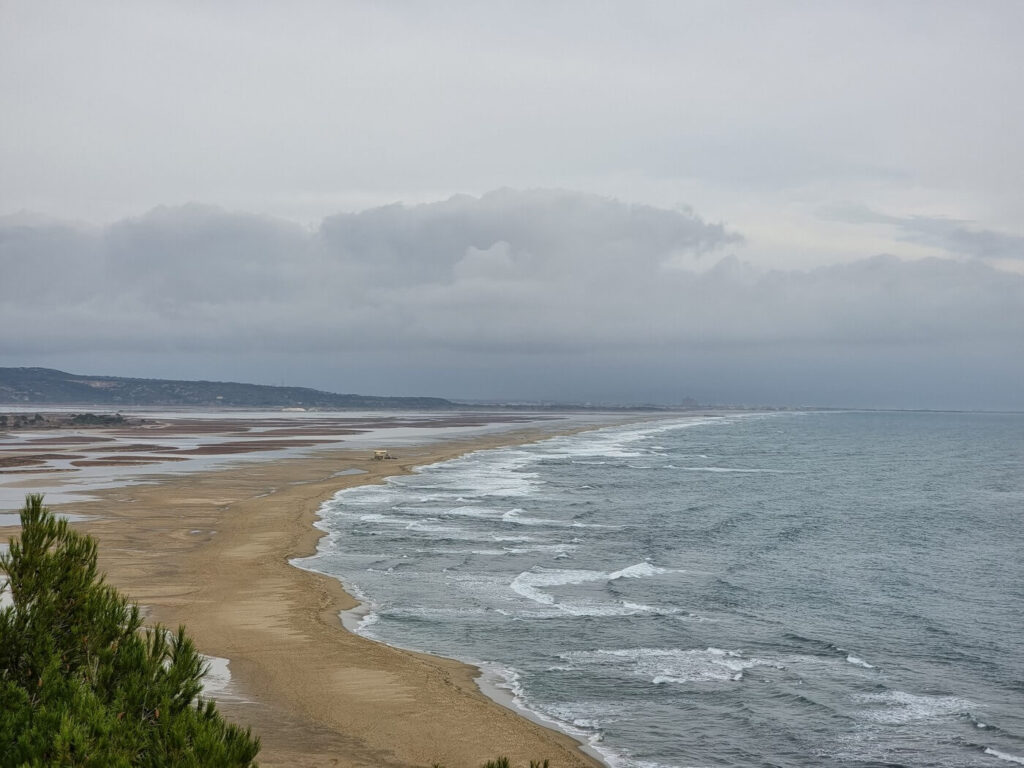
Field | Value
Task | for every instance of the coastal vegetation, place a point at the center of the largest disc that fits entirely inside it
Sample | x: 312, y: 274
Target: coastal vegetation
x: 82, y: 681
x: 43, y: 421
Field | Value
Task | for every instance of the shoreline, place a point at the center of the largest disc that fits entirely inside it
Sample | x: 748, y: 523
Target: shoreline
x: 480, y: 677
x: 219, y: 561
x: 488, y: 681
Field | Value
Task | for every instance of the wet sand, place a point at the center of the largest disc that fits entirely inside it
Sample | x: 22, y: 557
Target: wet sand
x: 211, y: 550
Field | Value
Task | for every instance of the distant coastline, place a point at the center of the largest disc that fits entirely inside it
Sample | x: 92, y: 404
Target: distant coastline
x: 41, y: 387
x: 49, y: 386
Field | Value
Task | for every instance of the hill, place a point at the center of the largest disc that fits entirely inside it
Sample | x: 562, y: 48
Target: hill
x: 40, y: 386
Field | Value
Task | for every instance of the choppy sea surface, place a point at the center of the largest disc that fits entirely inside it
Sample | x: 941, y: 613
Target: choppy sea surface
x: 795, y: 589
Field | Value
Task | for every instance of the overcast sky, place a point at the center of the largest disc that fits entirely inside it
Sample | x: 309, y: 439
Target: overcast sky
x: 763, y: 202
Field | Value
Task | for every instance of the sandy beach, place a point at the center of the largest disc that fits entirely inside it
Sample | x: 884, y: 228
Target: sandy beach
x: 212, y: 550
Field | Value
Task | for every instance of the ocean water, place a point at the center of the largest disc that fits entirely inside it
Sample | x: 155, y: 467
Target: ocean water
x: 794, y: 589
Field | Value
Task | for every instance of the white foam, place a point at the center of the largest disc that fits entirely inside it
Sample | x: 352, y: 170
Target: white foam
x: 427, y: 527
x: 897, y: 707
x: 504, y: 685
x: 622, y: 608
x: 515, y: 516
x: 484, y: 474
x: 611, y: 442
x: 399, y: 510
x: 558, y: 549
x: 471, y: 511
x: 859, y: 662
x: 637, y: 571
x: 358, y: 620
x: 643, y: 608
x: 530, y: 583
x: 673, y: 665
x: 1004, y: 756
x: 732, y: 469
x: 217, y: 682
x: 504, y: 678
x: 366, y: 622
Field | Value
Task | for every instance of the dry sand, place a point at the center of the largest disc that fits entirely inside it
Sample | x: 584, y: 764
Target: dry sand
x: 211, y: 550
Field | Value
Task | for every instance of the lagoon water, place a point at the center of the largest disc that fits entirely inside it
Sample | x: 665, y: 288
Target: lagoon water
x: 794, y: 589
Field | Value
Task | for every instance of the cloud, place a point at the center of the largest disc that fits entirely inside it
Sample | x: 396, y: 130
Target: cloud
x: 563, y: 279
x: 956, y: 236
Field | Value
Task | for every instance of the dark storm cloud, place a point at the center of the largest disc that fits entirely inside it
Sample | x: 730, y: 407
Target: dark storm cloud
x: 537, y: 221
x: 551, y: 277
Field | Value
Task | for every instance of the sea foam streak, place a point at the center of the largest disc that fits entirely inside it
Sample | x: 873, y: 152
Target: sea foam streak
x: 673, y: 665
x: 732, y: 469
x: 529, y: 583
x: 902, y: 707
x: 1004, y: 756
x: 638, y: 571
x: 858, y: 662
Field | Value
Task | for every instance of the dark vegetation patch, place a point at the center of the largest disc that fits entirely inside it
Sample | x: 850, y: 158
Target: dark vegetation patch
x: 82, y: 681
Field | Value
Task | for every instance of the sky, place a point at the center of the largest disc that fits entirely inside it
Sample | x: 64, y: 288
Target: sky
x: 761, y: 203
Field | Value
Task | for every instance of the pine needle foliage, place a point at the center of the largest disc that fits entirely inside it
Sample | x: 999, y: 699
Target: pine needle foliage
x: 82, y: 681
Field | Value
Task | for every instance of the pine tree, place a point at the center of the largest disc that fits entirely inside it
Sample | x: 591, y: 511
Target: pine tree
x: 82, y: 681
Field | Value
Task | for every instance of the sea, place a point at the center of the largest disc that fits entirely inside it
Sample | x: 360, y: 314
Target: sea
x: 780, y: 589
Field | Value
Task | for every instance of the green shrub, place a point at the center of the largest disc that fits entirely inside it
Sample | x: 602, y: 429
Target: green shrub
x: 82, y: 682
